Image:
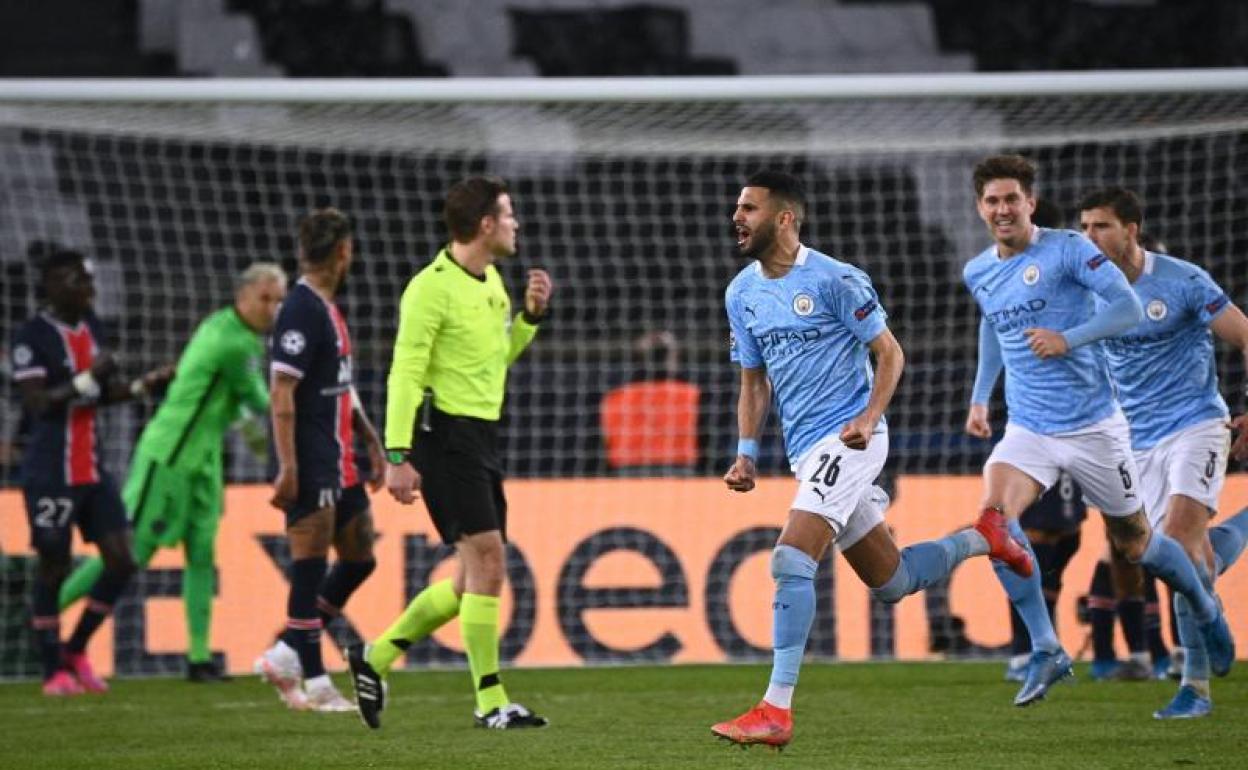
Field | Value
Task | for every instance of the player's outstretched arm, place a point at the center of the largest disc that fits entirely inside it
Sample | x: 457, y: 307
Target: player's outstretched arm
x: 752, y: 405
x: 151, y: 382
x: 889, y: 361
x: 1231, y: 326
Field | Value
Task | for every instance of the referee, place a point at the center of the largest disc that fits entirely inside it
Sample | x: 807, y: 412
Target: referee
x: 457, y: 336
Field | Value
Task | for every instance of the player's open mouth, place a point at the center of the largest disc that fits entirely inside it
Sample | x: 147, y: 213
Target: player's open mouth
x: 743, y: 235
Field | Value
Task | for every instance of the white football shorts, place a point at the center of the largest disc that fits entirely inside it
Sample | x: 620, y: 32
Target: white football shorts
x: 1189, y: 462
x: 1098, y: 457
x: 837, y: 483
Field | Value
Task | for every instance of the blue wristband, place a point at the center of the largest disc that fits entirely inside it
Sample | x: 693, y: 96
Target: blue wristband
x: 748, y: 447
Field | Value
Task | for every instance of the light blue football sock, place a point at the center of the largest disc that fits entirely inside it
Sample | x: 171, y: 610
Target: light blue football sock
x: 1027, y: 596
x: 923, y: 564
x: 1195, y: 659
x: 1228, y: 539
x: 793, y: 611
x: 1166, y: 559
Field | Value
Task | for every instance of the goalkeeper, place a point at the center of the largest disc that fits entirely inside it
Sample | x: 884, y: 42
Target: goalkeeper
x: 174, y: 489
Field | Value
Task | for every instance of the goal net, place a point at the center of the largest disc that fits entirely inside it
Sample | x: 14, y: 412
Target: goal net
x: 624, y: 544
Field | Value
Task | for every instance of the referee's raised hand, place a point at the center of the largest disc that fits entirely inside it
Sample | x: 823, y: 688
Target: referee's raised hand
x: 537, y: 293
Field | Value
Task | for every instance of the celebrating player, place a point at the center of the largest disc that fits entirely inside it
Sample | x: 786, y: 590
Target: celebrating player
x: 457, y: 337
x: 173, y: 492
x: 1166, y: 378
x: 1035, y: 287
x: 802, y: 325
x: 315, y: 414
x: 65, y: 375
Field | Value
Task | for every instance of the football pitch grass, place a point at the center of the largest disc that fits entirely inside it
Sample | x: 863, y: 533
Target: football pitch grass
x: 847, y: 716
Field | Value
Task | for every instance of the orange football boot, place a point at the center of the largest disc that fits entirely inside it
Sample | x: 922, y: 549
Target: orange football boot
x: 765, y: 724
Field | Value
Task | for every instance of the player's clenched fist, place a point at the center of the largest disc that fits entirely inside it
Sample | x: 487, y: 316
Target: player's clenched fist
x: 740, y: 477
x: 1046, y: 343
x: 977, y: 421
x: 857, y: 432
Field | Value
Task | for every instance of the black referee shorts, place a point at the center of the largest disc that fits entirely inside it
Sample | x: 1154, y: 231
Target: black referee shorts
x: 461, y: 476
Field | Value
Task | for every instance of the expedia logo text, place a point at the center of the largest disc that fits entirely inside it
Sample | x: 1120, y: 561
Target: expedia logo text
x: 786, y: 343
x: 865, y: 310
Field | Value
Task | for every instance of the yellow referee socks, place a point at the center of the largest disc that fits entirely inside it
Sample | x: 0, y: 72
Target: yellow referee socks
x: 427, y: 612
x: 478, y: 622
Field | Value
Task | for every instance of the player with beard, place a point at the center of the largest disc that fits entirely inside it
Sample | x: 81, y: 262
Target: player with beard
x: 1166, y: 379
x: 803, y: 325
x: 316, y: 413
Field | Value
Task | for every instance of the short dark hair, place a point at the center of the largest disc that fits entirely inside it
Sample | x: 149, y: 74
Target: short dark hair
x: 320, y: 232
x: 782, y: 185
x: 468, y: 202
x: 1123, y: 202
x: 1004, y: 167
x: 59, y: 260
x: 1048, y: 214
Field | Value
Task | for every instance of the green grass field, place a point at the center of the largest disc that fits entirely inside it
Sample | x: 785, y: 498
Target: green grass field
x: 847, y: 716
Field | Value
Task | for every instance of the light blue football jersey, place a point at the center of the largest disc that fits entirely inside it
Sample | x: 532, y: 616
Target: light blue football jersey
x: 1164, y: 367
x: 810, y: 329
x: 1049, y: 285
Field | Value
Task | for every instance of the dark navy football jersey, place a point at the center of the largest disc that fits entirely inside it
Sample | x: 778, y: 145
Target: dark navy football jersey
x: 311, y: 343
x: 63, y: 446
x: 1060, y: 509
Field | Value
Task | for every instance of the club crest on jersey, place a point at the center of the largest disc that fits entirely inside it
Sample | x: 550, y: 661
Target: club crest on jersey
x: 1031, y: 275
x: 1156, y: 310
x: 293, y: 342
x: 22, y: 355
x: 803, y: 304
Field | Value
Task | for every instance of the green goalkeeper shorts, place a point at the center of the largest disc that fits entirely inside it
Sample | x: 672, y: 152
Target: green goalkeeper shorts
x: 162, y: 499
